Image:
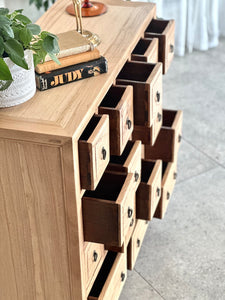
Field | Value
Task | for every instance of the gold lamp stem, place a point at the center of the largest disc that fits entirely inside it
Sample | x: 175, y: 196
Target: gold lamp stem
x: 92, y: 37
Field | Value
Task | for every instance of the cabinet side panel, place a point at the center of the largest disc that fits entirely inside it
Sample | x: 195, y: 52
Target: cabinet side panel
x: 33, y: 241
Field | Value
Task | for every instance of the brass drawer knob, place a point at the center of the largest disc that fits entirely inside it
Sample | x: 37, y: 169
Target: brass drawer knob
x: 136, y: 176
x: 129, y: 123
x: 168, y: 195
x: 159, y: 117
x: 158, y: 191
x: 158, y: 96
x: 95, y: 256
x: 138, y: 242
x: 179, y: 138
x: 130, y: 212
x: 175, y: 175
x: 104, y: 153
x: 171, y: 48
x: 123, y: 275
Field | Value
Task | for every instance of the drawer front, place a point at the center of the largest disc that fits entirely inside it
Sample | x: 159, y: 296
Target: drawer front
x: 157, y: 97
x: 118, y: 104
x: 127, y: 118
x: 170, y: 43
x: 178, y: 132
x: 94, y: 154
x: 146, y: 50
x: 94, y: 256
x: 136, y: 242
x: 156, y: 127
x: 133, y: 163
x: 168, y: 183
x: 109, y: 284
x: 149, y: 193
x: 129, y: 213
x: 107, y: 221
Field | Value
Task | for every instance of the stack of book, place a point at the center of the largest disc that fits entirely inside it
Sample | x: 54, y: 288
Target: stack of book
x: 78, y: 60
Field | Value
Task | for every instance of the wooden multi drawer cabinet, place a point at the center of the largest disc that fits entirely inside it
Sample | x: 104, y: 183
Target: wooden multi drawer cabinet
x: 86, y: 166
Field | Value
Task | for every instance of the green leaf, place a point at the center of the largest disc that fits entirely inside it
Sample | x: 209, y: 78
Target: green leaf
x: 4, y: 21
x: 7, y: 31
x: 15, y: 51
x: 53, y: 57
x: 1, y: 46
x: 4, y: 11
x: 50, y: 44
x: 37, y: 59
x: 4, y: 71
x: 5, y: 84
x: 23, y: 19
x: 35, y: 29
x: 25, y: 36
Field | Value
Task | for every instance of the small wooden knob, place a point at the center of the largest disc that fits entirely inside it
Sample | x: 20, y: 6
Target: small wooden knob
x: 158, y: 96
x: 95, y: 256
x: 168, y: 195
x: 158, y: 191
x: 104, y: 153
x: 136, y: 176
x: 123, y: 275
x: 130, y: 212
x: 138, y: 242
x: 129, y: 123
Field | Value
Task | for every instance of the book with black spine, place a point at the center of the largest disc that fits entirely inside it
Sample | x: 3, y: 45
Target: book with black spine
x: 70, y: 74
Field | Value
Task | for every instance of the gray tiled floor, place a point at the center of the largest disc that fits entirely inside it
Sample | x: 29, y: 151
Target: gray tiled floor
x: 183, y: 255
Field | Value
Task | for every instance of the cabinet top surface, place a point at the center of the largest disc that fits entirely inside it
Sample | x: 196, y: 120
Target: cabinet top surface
x: 65, y: 110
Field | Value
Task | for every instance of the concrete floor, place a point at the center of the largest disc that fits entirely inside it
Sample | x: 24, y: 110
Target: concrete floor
x: 183, y: 255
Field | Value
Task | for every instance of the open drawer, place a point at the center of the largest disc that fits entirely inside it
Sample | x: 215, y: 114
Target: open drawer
x: 94, y: 151
x: 118, y: 104
x: 148, y: 135
x: 146, y: 80
x: 128, y: 162
x: 136, y: 242
x: 109, y: 210
x: 111, y: 278
x: 149, y: 190
x: 146, y: 50
x: 164, y: 30
x: 168, y: 141
x: 169, y: 175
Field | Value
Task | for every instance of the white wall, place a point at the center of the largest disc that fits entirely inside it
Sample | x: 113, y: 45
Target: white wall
x: 29, y: 10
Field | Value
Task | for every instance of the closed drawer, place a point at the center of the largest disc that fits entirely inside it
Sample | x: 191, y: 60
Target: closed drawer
x: 149, y: 190
x: 146, y: 50
x: 94, y: 151
x: 168, y: 141
x: 169, y: 175
x: 163, y: 30
x: 94, y: 257
x: 111, y: 278
x: 136, y: 242
x: 108, y: 211
x: 128, y: 162
x: 118, y: 104
x: 143, y: 77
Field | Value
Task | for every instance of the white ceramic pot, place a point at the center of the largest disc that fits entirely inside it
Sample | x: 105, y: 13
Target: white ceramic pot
x: 23, y: 86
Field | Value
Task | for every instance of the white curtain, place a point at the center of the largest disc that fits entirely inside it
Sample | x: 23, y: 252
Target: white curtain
x: 199, y: 23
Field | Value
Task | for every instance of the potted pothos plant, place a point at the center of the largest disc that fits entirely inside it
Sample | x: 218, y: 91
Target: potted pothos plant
x: 22, y: 46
